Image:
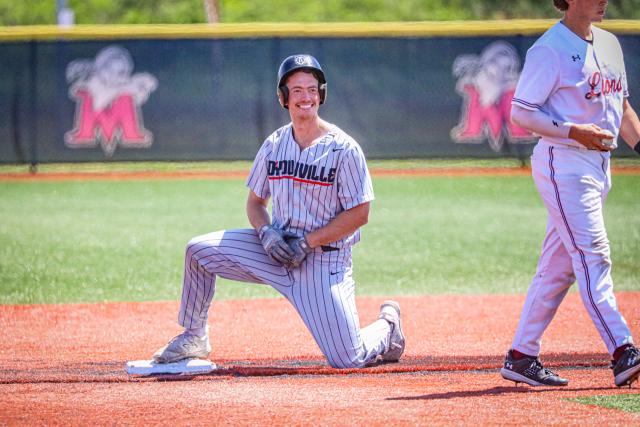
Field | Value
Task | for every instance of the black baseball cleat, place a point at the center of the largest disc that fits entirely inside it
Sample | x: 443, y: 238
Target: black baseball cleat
x: 627, y: 369
x: 529, y: 370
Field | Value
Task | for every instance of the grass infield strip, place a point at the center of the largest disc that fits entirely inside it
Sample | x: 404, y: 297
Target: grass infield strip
x: 624, y: 402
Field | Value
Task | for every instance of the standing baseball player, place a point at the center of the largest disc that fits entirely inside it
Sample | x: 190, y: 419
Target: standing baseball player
x: 573, y: 93
x: 320, y: 190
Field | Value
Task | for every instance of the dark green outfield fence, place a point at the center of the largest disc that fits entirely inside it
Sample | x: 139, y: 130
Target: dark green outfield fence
x: 206, y: 93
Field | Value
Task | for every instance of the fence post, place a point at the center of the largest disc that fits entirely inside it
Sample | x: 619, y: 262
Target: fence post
x: 32, y: 114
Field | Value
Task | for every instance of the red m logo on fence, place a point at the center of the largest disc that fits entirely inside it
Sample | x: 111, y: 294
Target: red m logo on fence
x: 492, y: 122
x: 120, y: 122
x: 487, y: 83
x: 108, y: 102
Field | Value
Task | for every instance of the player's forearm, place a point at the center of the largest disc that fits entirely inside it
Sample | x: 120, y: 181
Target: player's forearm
x: 342, y: 225
x: 257, y: 212
x: 539, y: 122
x: 630, y: 127
x: 591, y: 136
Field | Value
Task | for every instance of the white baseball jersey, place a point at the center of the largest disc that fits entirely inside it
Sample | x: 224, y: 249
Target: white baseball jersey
x: 308, y: 189
x: 580, y: 82
x: 574, y: 81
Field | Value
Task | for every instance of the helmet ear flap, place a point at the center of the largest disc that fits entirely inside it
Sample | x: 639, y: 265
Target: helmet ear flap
x: 283, y: 94
x: 322, y: 90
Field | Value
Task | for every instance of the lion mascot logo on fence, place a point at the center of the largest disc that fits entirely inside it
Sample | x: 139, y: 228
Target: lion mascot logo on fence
x: 108, y: 102
x: 487, y: 83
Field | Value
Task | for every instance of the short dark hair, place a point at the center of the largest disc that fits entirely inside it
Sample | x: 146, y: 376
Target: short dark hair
x: 313, y: 72
x: 561, y: 5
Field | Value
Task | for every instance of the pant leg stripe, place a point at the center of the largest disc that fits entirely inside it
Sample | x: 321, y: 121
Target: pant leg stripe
x: 573, y: 242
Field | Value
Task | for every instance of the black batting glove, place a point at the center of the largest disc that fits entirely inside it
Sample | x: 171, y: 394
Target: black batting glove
x: 300, y: 248
x: 274, y: 244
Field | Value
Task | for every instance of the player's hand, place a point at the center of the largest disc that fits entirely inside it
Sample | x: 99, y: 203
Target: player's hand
x: 592, y: 137
x: 275, y: 245
x: 300, y: 248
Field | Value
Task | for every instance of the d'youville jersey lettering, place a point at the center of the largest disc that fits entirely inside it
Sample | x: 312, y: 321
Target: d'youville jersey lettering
x: 301, y: 172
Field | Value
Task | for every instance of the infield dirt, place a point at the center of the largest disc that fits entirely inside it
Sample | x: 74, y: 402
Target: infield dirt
x: 64, y: 364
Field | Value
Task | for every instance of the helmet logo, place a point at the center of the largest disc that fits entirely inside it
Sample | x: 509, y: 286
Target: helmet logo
x: 302, y: 60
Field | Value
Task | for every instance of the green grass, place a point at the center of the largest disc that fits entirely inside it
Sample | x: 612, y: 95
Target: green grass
x: 624, y: 402
x: 89, y: 241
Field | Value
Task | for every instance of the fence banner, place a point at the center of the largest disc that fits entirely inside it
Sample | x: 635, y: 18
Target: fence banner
x: 206, y: 98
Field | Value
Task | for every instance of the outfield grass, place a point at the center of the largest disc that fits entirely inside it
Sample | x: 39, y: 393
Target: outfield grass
x: 88, y: 241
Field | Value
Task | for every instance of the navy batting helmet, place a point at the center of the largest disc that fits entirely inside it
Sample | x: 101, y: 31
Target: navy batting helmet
x: 296, y: 63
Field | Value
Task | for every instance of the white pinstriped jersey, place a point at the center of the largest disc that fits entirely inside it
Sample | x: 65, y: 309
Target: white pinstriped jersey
x: 574, y: 81
x: 310, y: 187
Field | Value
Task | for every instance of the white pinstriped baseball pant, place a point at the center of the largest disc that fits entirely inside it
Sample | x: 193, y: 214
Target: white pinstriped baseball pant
x: 573, y: 184
x: 321, y: 290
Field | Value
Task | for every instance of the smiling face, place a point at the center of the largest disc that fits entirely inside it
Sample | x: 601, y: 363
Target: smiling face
x: 304, y: 96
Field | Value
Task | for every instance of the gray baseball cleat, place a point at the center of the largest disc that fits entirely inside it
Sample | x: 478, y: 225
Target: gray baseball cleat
x: 184, y: 346
x: 390, y: 311
x: 627, y: 369
x: 529, y: 370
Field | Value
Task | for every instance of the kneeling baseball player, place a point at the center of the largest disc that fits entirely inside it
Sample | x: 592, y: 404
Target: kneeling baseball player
x: 317, y: 178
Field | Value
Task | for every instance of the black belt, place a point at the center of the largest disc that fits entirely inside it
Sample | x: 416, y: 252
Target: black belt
x: 329, y: 248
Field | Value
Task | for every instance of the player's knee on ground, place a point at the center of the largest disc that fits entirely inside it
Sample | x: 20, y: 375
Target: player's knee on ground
x: 348, y: 365
x: 344, y: 362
